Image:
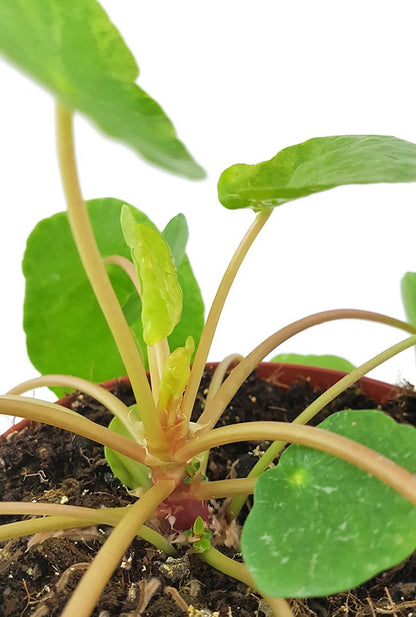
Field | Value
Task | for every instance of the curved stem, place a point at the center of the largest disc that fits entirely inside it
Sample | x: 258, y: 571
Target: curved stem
x: 216, y: 309
x: 381, y: 467
x: 95, y: 269
x: 230, y: 567
x: 36, y: 508
x: 224, y: 488
x: 58, y: 416
x: 216, y: 381
x: 158, y: 353
x: 215, y: 407
x: 92, y: 584
x: 102, y: 395
x: 126, y: 265
x: 68, y: 517
x: 220, y: 372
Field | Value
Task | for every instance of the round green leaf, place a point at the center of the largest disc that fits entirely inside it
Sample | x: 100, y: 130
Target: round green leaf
x: 320, y: 525
x: 325, y: 361
x: 74, y: 50
x: 317, y: 165
x: 66, y: 332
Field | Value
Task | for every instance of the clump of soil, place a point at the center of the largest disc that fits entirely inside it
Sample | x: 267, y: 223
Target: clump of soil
x: 46, y: 464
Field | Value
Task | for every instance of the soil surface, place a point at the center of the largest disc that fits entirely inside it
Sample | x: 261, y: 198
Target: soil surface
x: 42, y: 463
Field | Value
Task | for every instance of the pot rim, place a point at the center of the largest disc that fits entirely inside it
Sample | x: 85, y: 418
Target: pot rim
x: 276, y: 372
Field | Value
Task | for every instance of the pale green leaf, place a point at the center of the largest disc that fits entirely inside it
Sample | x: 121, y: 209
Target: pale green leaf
x: 317, y: 165
x: 161, y: 295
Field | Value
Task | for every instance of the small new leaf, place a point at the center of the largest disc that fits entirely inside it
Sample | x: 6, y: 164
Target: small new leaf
x: 202, y: 545
x: 176, y: 373
x: 199, y: 526
x: 199, y: 536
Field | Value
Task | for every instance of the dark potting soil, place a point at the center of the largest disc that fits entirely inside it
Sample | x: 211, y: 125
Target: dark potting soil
x: 47, y: 464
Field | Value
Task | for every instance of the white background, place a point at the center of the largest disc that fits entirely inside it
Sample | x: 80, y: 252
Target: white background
x: 241, y: 80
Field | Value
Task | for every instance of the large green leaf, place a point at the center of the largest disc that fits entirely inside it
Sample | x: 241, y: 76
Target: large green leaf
x: 324, y: 361
x: 318, y: 165
x: 74, y: 50
x: 66, y: 332
x: 320, y: 525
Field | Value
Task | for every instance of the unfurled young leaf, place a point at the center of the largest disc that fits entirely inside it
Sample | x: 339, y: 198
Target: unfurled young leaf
x: 161, y: 295
x: 317, y: 165
x: 320, y: 525
x: 74, y: 50
x: 175, y: 374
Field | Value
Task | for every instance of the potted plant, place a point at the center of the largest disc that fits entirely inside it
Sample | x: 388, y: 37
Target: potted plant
x: 305, y: 534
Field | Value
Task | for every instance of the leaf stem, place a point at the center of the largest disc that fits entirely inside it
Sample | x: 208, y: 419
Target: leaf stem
x: 224, y: 488
x: 60, y: 516
x: 95, y: 269
x: 217, y: 404
x: 239, y: 571
x: 220, y: 372
x: 92, y: 584
x: 216, y: 309
x: 381, y: 467
x: 102, y: 395
x: 157, y: 355
x: 55, y: 415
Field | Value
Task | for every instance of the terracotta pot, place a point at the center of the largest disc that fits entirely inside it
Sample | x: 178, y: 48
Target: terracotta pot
x: 281, y: 374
